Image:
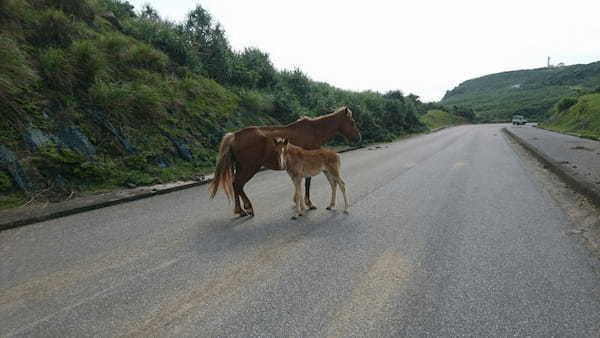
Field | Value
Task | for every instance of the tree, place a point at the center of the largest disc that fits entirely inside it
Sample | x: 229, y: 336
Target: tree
x: 121, y: 9
x: 211, y: 43
x: 260, y: 63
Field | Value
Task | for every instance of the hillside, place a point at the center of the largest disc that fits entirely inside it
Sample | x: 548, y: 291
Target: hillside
x: 526, y: 92
x: 580, y: 116
x: 439, y: 118
x: 95, y: 96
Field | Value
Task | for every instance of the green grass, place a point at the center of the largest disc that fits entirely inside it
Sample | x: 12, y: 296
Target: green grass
x: 582, y: 118
x: 439, y: 118
x: 12, y: 200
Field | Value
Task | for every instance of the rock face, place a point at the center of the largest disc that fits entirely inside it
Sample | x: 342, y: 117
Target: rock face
x: 35, y: 138
x: 160, y: 161
x: 182, y: 148
x: 75, y: 139
x: 8, y: 162
x: 102, y: 121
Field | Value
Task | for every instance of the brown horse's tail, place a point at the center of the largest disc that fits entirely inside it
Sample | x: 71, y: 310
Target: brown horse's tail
x: 224, y: 171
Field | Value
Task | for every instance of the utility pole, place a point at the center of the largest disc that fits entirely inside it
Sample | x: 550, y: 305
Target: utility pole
x: 548, y: 62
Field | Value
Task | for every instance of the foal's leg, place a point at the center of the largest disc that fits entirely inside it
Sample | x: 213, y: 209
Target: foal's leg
x: 334, y: 171
x: 298, y: 196
x: 343, y: 189
x: 307, y: 195
x: 333, y: 184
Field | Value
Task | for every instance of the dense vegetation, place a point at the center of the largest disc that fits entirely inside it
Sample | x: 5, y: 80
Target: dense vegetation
x: 440, y: 118
x: 94, y: 95
x: 580, y: 116
x: 531, y: 93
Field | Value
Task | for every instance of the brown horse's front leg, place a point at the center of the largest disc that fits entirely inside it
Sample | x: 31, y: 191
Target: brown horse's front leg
x: 307, y: 201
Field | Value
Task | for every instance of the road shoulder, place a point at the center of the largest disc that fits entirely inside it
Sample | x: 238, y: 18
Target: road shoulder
x: 582, y: 211
x: 581, y: 172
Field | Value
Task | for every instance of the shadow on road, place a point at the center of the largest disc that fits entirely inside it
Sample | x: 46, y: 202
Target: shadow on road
x: 252, y: 232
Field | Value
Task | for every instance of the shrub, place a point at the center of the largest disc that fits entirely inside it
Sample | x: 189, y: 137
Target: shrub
x: 6, y: 183
x: 565, y: 103
x: 52, y: 29
x: 88, y: 61
x: 141, y: 102
x: 78, y: 8
x: 137, y: 162
x: 16, y: 72
x: 120, y: 8
x: 12, y: 200
x: 166, y: 37
x: 94, y: 172
x: 143, y: 56
x: 72, y: 166
x: 57, y: 69
x: 255, y: 102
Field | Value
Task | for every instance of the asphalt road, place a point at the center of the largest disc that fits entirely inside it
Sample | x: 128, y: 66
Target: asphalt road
x: 448, y: 234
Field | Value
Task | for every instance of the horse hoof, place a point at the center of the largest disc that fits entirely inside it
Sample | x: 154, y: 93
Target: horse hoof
x: 243, y: 214
x: 294, y: 217
x: 312, y: 207
x: 328, y: 208
x: 346, y: 212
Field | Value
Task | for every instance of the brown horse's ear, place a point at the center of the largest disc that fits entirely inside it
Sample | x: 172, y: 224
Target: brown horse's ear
x: 348, y: 113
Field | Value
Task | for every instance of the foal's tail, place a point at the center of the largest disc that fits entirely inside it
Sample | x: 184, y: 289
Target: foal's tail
x: 224, y: 171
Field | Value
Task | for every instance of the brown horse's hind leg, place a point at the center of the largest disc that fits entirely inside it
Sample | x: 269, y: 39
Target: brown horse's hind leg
x: 238, y: 208
x: 307, y: 201
x: 242, y: 176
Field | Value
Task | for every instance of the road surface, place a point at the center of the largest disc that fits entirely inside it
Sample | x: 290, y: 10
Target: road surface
x: 448, y: 234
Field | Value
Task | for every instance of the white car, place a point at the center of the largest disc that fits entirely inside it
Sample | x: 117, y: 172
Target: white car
x: 519, y: 120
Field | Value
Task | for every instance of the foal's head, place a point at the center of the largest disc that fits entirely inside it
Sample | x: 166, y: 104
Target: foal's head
x: 281, y: 145
x: 348, y: 126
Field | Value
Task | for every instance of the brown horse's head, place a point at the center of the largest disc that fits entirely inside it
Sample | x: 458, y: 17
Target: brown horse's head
x: 348, y: 126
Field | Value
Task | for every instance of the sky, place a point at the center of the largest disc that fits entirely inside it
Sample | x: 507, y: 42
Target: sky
x: 423, y: 47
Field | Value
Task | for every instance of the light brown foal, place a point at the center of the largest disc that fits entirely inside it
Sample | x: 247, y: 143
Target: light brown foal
x: 300, y: 163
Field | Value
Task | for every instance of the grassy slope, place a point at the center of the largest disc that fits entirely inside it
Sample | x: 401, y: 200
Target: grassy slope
x: 439, y: 118
x: 64, y: 65
x: 58, y: 69
x: 583, y: 118
x: 527, y: 92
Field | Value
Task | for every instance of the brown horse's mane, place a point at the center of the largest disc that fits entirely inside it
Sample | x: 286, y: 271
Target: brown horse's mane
x: 320, y: 117
x: 305, y: 118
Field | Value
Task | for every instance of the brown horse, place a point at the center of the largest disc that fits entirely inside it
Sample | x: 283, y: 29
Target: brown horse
x: 241, y: 154
x: 300, y: 163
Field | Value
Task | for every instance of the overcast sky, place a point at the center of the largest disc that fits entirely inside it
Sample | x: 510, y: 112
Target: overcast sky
x: 422, y: 46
